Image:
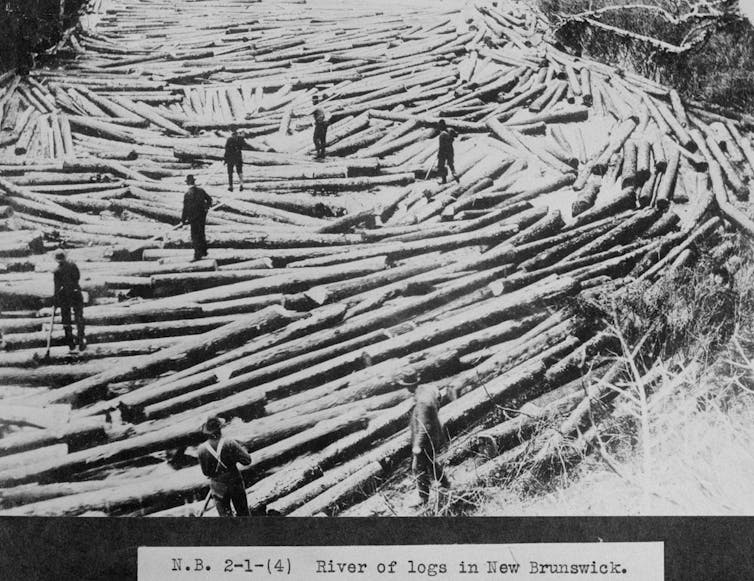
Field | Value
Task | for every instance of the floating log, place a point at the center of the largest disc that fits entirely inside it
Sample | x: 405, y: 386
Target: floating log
x: 585, y: 199
x: 629, y: 171
x: 729, y: 211
x: 295, y: 477
x: 681, y: 134
x: 738, y: 187
x: 180, y: 355
x: 627, y: 230
x: 617, y: 139
x: 623, y: 201
x: 379, y: 269
x: 667, y: 182
x: 697, y: 233
x: 323, y: 362
x: 61, y: 355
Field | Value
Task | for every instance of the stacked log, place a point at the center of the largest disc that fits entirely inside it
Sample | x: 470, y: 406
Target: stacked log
x: 325, y: 279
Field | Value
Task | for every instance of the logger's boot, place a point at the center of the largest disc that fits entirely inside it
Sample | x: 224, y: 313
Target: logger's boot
x: 69, y: 337
x: 81, y: 337
x: 240, y: 183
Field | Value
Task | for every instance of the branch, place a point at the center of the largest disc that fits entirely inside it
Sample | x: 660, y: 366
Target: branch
x: 599, y: 11
x: 659, y: 44
x: 695, y: 11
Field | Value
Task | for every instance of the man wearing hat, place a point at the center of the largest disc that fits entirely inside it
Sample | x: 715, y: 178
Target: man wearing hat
x: 427, y: 435
x: 320, y: 128
x: 233, y: 158
x: 68, y: 296
x: 196, y: 204
x: 218, y: 457
x: 445, y: 153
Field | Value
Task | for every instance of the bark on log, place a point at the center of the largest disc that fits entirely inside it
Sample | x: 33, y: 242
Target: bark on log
x: 184, y: 483
x: 586, y: 198
x: 232, y: 362
x: 617, y: 138
x: 31, y: 358
x: 696, y: 234
x: 297, y: 280
x: 110, y: 333
x: 293, y: 479
x: 625, y: 200
x: 667, y: 182
x: 729, y: 211
x: 179, y: 356
x: 629, y: 171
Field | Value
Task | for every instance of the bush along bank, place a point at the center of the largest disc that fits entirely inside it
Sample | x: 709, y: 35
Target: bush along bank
x: 31, y: 27
x: 705, y: 52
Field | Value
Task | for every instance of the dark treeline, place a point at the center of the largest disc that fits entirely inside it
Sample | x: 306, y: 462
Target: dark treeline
x: 32, y: 26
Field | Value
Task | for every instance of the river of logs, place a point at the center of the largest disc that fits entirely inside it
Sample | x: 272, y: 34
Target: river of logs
x: 325, y: 278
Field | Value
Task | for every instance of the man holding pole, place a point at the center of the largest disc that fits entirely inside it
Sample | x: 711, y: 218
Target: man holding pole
x: 445, y: 153
x: 234, y: 158
x: 320, y: 128
x: 68, y: 297
x: 218, y: 457
x: 427, y: 435
x: 196, y: 204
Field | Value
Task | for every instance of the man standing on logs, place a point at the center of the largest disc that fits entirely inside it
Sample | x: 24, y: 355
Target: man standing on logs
x: 234, y: 158
x: 445, y: 153
x: 68, y: 296
x: 218, y: 457
x: 196, y: 204
x: 427, y: 435
x: 320, y: 128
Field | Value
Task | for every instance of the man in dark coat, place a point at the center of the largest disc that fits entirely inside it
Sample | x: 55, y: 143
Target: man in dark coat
x: 218, y: 457
x: 234, y: 158
x: 196, y: 203
x: 427, y: 435
x: 320, y: 128
x: 445, y: 153
x: 68, y: 297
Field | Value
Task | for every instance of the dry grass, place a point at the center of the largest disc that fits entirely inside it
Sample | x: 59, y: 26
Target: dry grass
x: 34, y: 22
x: 701, y: 461
x: 679, y: 439
x: 719, y: 68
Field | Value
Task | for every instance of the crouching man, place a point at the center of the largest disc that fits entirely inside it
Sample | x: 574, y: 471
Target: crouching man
x: 218, y: 457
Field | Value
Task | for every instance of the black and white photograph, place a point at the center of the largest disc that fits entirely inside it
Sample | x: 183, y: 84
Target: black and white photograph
x: 361, y: 258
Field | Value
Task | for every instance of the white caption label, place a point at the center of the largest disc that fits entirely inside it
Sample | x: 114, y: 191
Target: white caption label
x: 542, y: 561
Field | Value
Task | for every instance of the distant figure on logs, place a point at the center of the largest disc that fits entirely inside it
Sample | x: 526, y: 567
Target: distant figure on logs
x: 445, y: 153
x: 196, y: 204
x: 427, y: 435
x: 218, y: 457
x: 320, y: 128
x: 234, y: 158
x: 68, y: 296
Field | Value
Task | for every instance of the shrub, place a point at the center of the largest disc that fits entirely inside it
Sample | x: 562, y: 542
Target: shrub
x: 716, y: 60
